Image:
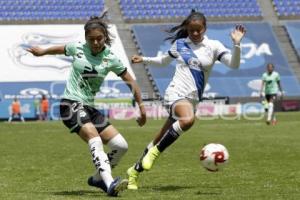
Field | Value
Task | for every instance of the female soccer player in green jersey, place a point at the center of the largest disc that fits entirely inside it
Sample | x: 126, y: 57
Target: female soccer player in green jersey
x: 92, y: 61
x: 270, y: 88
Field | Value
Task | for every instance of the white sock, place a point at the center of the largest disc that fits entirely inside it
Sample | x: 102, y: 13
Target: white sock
x: 270, y: 111
x: 119, y: 147
x: 177, y: 128
x: 150, y: 145
x: 22, y: 119
x: 100, y: 160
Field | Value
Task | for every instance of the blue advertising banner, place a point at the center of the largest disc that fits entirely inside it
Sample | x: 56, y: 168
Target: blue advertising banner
x: 259, y: 47
x: 29, y: 92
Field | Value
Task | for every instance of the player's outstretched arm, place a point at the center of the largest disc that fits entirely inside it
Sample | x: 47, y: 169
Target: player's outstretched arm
x: 262, y: 89
x: 135, y: 89
x: 233, y: 60
x: 38, y: 51
x: 162, y: 60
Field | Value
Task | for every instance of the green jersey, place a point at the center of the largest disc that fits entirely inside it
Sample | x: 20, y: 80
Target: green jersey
x: 88, y: 72
x: 271, y: 82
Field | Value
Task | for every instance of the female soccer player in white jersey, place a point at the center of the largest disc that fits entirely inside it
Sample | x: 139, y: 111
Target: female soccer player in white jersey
x: 92, y: 61
x: 195, y: 55
x: 269, y: 89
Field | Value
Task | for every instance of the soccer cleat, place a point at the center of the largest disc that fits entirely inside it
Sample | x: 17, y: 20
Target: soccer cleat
x: 132, y: 178
x: 150, y: 157
x: 117, y: 186
x: 99, y: 184
x: 268, y: 122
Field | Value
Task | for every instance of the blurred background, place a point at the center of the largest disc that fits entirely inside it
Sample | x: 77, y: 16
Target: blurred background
x: 273, y: 29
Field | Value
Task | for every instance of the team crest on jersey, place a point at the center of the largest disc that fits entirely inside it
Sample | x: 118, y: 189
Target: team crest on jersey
x: 79, y: 55
x: 104, y: 62
x: 82, y: 113
x: 195, y: 63
x: 185, y: 50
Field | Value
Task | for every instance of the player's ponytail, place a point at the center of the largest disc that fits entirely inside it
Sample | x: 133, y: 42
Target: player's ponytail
x: 99, y: 22
x: 180, y: 31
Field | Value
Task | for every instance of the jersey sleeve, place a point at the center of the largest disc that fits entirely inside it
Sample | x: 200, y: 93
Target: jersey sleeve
x: 263, y: 77
x: 117, y: 66
x: 278, y: 77
x: 70, y: 49
x: 220, y: 50
x: 173, y: 51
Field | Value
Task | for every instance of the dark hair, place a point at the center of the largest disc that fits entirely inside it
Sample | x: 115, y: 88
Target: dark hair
x: 271, y: 65
x: 180, y: 31
x: 99, y: 22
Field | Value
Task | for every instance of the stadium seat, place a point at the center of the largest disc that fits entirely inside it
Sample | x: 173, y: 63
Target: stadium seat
x: 49, y: 9
x: 175, y: 8
x: 287, y: 8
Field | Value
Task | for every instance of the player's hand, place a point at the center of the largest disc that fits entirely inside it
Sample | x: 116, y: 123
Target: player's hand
x: 136, y: 59
x: 142, y: 119
x: 37, y: 51
x: 280, y: 94
x: 238, y: 33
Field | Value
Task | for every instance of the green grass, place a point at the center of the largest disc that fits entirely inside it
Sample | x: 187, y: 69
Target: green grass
x: 43, y: 161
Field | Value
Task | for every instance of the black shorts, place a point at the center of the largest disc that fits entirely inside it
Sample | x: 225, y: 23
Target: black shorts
x: 74, y: 115
x: 271, y: 96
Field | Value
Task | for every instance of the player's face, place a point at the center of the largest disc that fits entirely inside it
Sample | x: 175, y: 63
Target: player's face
x: 96, y: 40
x: 270, y: 68
x: 195, y: 30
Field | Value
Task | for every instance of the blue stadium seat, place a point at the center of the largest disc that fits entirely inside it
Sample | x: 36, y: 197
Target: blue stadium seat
x: 286, y: 8
x: 182, y: 7
x: 49, y: 9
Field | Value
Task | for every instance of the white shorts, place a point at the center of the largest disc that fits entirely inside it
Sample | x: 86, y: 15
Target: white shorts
x: 171, y: 98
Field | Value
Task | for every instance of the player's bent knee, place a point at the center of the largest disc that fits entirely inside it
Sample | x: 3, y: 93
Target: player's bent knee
x: 186, y: 124
x: 123, y: 146
x: 119, y: 142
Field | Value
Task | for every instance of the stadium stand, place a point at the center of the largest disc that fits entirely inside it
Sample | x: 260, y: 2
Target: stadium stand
x: 160, y: 9
x: 287, y: 8
x: 293, y: 29
x: 32, y: 10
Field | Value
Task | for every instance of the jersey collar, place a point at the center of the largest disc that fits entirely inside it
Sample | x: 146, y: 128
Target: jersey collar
x: 98, y: 54
x: 203, y: 43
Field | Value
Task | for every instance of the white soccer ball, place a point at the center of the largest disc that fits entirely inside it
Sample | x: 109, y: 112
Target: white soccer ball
x: 214, y: 157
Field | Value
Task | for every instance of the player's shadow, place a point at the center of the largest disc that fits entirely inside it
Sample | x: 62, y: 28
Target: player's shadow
x: 77, y: 193
x: 206, y: 190
x: 171, y: 188
x: 208, y: 193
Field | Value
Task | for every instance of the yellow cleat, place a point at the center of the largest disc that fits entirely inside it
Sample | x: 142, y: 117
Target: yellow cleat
x: 132, y: 178
x: 150, y: 157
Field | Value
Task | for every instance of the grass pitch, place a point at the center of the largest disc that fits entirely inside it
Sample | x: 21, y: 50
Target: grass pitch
x: 43, y: 161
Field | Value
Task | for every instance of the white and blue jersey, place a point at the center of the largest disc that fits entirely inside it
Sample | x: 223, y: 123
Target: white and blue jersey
x: 193, y: 66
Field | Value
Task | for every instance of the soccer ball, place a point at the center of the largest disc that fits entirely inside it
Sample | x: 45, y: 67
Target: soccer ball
x: 214, y: 157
